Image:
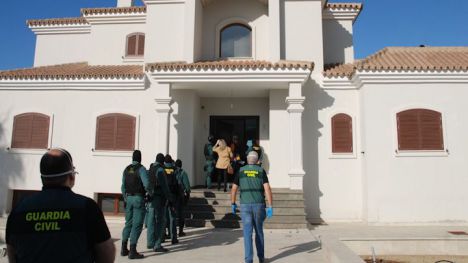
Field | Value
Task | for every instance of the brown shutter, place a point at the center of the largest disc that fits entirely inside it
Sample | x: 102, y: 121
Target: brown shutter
x: 115, y: 132
x: 141, y: 44
x: 342, y: 134
x: 125, y: 138
x: 31, y: 131
x: 131, y: 45
x: 420, y: 129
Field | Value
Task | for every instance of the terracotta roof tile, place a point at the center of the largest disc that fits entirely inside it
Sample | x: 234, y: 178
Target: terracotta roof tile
x: 356, y: 6
x: 113, y: 10
x: 228, y: 65
x: 57, y: 21
x: 407, y: 59
x: 74, y: 71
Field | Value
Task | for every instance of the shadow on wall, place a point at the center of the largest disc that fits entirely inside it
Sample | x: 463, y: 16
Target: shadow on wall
x: 11, y: 168
x: 316, y: 99
x: 335, y: 50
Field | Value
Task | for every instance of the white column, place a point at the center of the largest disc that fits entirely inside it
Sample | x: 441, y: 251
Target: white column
x: 295, y: 109
x: 163, y: 111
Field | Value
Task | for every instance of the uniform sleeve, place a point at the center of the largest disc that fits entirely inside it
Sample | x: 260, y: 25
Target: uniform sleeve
x: 145, y: 180
x: 9, y: 226
x: 98, y: 231
x: 186, y: 181
x: 265, y: 177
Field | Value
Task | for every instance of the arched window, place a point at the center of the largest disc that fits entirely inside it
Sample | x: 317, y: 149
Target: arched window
x: 31, y: 131
x: 420, y: 129
x: 235, y: 41
x: 342, y: 133
x: 135, y: 45
x: 115, y: 132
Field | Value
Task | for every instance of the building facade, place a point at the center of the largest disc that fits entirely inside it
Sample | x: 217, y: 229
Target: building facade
x: 378, y: 140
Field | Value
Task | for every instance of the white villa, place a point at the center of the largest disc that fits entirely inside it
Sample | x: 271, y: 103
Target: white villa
x: 379, y: 140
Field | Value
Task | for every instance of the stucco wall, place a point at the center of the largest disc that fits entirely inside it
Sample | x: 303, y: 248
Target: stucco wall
x: 420, y: 188
x: 74, y: 124
x: 253, y: 12
x: 61, y: 48
x: 108, y: 42
x: 338, y: 41
x: 165, y: 32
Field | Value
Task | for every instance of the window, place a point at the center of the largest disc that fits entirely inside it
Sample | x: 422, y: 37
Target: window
x: 235, y: 41
x: 135, y: 45
x: 115, y: 132
x: 342, y: 133
x: 31, y: 131
x: 420, y: 129
x: 111, y: 204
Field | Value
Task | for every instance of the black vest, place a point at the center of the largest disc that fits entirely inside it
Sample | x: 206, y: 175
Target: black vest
x: 133, y: 183
x: 51, y: 226
x: 172, y: 179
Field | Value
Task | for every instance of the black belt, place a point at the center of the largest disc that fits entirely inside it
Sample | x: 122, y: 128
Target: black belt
x: 135, y: 194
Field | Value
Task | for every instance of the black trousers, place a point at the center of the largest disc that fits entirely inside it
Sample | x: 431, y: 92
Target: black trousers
x: 222, y: 173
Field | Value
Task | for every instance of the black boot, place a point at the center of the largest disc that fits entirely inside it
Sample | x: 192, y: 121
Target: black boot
x: 134, y: 254
x: 124, y: 250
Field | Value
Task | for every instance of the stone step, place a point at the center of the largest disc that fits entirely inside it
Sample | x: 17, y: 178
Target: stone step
x: 238, y: 224
x: 225, y: 196
x: 227, y: 209
x: 230, y: 216
x: 227, y: 202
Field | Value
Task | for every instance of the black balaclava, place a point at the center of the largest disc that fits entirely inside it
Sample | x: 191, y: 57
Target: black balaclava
x: 136, y: 156
x: 168, y: 159
x: 178, y: 163
x: 160, y: 158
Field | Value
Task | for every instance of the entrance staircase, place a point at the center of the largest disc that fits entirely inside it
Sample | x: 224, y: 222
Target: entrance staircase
x: 212, y: 208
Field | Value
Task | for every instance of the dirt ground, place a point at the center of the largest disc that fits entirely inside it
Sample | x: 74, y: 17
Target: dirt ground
x: 417, y: 259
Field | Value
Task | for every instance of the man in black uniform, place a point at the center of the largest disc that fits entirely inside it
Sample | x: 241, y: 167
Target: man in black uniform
x: 57, y: 225
x: 176, y: 191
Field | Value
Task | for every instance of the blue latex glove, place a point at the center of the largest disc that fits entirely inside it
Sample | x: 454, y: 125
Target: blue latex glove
x: 269, y: 212
x: 234, y: 208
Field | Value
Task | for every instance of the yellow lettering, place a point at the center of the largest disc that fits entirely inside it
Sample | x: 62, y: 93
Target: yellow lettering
x: 66, y: 215
x: 50, y: 215
x: 37, y: 227
x: 28, y: 216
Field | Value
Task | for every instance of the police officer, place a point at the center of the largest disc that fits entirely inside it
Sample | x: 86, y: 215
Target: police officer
x: 209, y: 160
x: 253, y: 183
x: 135, y: 184
x: 57, y: 225
x: 159, y: 203
x: 176, y: 191
x: 183, y: 181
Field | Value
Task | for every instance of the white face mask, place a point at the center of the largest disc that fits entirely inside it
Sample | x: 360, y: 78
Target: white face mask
x: 72, y: 171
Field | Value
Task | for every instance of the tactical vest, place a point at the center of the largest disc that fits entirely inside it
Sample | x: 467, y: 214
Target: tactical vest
x: 133, y: 183
x: 251, y: 184
x: 172, y: 179
x: 51, y: 227
x: 152, y: 174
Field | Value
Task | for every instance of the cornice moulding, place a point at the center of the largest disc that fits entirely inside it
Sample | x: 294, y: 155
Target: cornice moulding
x: 88, y: 84
x: 61, y: 29
x: 340, y: 14
x: 139, y: 18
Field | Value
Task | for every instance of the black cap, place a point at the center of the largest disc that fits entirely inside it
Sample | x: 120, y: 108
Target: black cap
x: 178, y: 163
x: 168, y: 159
x: 56, y: 162
x: 160, y: 158
x: 136, y: 156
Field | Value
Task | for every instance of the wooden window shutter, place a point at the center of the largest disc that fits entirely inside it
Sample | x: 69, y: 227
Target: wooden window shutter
x: 141, y: 45
x: 115, y: 132
x: 132, y: 45
x: 31, y: 131
x: 420, y: 129
x: 342, y: 133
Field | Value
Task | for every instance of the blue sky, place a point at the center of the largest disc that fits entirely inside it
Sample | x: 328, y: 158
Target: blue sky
x: 382, y: 23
